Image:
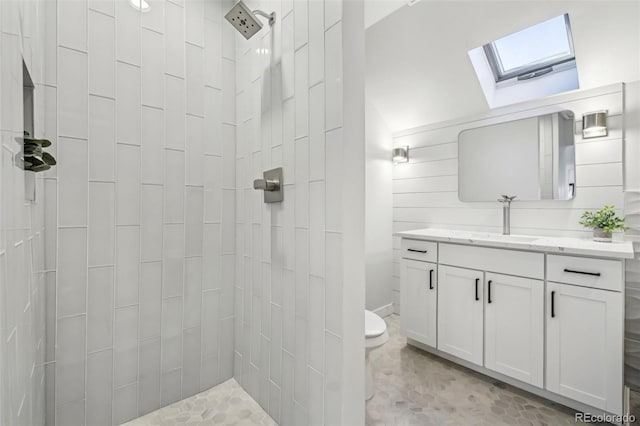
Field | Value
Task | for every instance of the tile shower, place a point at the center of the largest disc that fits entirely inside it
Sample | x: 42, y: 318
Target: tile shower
x: 146, y: 270
x: 136, y: 309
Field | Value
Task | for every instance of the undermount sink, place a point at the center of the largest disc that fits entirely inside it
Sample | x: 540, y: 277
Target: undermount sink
x: 514, y: 238
x: 501, y: 237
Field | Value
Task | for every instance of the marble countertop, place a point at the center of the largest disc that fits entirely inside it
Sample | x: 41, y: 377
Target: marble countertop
x: 563, y: 245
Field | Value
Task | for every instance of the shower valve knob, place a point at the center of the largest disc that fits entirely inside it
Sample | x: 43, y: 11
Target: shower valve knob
x: 266, y: 185
x: 271, y: 184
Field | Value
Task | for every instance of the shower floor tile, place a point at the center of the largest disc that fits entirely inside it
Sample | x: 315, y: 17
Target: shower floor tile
x: 225, y: 404
x: 414, y: 387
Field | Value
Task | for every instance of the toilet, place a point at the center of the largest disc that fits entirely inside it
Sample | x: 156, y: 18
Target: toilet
x: 375, y: 335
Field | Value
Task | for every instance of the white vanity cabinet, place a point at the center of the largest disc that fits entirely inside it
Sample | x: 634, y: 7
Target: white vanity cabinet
x: 418, y: 300
x: 584, y: 345
x: 545, y: 315
x: 514, y: 327
x: 460, y: 310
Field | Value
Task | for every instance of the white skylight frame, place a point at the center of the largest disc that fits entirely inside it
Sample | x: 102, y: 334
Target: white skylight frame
x: 533, y: 69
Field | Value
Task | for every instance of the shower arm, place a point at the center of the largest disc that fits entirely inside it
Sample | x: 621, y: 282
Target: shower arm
x: 270, y: 16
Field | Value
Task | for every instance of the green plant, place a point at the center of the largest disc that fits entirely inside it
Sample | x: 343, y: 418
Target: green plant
x: 604, y: 218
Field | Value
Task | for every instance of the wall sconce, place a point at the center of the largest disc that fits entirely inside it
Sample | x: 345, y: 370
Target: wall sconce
x: 401, y: 154
x: 594, y: 124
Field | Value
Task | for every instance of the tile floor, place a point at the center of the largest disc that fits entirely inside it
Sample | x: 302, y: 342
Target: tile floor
x: 414, y: 387
x: 225, y: 404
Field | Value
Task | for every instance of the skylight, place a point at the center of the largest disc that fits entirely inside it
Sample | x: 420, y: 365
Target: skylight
x: 532, y: 52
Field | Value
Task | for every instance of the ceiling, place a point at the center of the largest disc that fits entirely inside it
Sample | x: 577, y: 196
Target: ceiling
x: 418, y: 70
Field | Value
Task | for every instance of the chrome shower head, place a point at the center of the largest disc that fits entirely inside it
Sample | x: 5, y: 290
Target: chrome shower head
x: 245, y: 20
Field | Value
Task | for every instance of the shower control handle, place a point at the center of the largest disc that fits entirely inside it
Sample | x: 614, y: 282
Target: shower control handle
x: 266, y: 185
x: 271, y: 184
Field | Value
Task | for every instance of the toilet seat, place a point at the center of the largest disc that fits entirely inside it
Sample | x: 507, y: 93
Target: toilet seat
x: 376, y: 335
x: 374, y: 326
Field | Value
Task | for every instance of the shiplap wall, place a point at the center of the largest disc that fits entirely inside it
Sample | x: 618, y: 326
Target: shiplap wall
x: 425, y: 190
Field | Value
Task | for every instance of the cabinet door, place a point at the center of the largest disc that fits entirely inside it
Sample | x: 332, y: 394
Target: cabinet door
x: 418, y: 301
x: 514, y: 327
x: 460, y: 307
x: 584, y: 345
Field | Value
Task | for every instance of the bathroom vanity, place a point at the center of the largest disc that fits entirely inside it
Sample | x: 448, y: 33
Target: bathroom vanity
x: 543, y: 314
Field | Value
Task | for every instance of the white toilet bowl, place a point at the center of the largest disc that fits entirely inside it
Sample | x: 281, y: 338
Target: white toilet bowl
x: 376, y: 335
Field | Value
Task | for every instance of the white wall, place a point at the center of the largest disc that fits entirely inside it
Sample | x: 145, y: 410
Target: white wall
x: 24, y: 346
x: 300, y: 263
x: 378, y: 212
x: 425, y: 51
x: 425, y: 190
x: 143, y: 199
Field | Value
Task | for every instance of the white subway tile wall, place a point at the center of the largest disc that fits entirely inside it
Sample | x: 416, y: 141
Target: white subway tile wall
x: 24, y: 281
x: 425, y: 190
x: 288, y: 309
x: 117, y: 283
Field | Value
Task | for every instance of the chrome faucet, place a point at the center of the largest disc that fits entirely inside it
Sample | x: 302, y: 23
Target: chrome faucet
x: 506, y: 213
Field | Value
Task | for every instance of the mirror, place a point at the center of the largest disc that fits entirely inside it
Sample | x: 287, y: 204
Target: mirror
x: 532, y: 158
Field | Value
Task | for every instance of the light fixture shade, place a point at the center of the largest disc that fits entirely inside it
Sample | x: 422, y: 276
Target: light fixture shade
x: 594, y: 124
x: 401, y: 154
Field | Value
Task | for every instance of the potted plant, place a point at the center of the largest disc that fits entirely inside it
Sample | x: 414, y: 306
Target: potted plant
x: 603, y: 222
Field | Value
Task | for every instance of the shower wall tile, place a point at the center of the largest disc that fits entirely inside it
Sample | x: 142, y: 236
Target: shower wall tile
x: 71, y: 414
x: 171, y: 333
x: 151, y: 225
x: 72, y: 182
x: 174, y: 39
x: 102, y: 139
x: 150, y: 299
x: 152, y: 147
x: 128, y: 103
x: 127, y: 33
x: 104, y: 6
x: 152, y: 66
x: 139, y: 232
x: 101, y: 223
x: 28, y: 237
x: 171, y: 387
x: 72, y: 272
x: 128, y: 185
x: 194, y: 151
x: 174, y: 186
x: 195, y: 24
x: 193, y: 297
x: 70, y: 360
x: 125, y: 344
x: 99, y: 388
x: 72, y: 93
x: 72, y: 24
x: 191, y: 350
x: 194, y: 211
x: 289, y: 255
x: 174, y: 128
x: 153, y: 19
x: 213, y: 50
x: 127, y: 265
x: 173, y: 260
x: 125, y: 404
x: 149, y: 379
x: 194, y: 80
x: 100, y: 309
x: 102, y: 40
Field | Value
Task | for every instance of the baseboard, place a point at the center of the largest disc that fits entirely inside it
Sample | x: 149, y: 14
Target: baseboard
x: 384, y: 311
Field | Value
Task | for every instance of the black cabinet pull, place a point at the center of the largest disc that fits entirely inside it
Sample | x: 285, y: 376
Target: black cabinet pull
x: 431, y: 279
x: 553, y: 304
x: 417, y: 251
x: 477, y: 282
x: 489, y: 291
x: 571, y: 271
